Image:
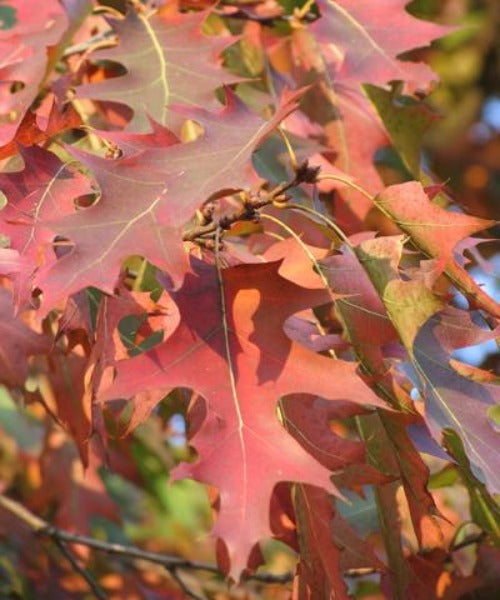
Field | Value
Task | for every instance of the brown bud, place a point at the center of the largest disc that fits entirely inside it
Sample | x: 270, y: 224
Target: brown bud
x: 304, y: 173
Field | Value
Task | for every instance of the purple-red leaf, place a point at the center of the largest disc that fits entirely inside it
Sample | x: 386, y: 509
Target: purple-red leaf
x: 231, y: 328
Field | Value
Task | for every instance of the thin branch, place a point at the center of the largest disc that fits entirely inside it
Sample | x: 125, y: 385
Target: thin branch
x: 247, y: 212
x: 92, y: 583
x: 205, y: 232
x: 101, y: 40
x: 269, y: 577
x: 182, y: 584
x: 43, y: 528
x: 32, y: 521
x: 171, y: 563
x: 468, y: 541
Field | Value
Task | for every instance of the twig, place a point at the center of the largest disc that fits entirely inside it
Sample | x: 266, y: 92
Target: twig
x: 92, y: 583
x: 204, y: 233
x: 170, y: 562
x: 34, y: 523
x: 269, y: 577
x: 101, y: 40
x: 247, y: 212
x: 43, y: 528
x: 468, y: 541
x: 182, y: 584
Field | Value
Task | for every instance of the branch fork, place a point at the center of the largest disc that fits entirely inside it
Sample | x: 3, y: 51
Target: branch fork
x: 204, y: 233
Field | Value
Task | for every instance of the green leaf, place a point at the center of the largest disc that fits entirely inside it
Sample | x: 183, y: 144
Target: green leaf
x: 7, y: 17
x: 484, y: 510
x: 443, y: 478
x: 406, y: 121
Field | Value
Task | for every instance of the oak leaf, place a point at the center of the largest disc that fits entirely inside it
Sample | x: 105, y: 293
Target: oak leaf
x: 42, y: 192
x: 18, y: 343
x: 23, y: 63
x: 362, y: 41
x: 231, y: 327
x: 148, y: 196
x: 437, y: 232
x: 168, y: 61
x: 430, y: 335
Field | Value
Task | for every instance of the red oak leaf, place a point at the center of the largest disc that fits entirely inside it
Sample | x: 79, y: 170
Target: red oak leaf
x: 354, y: 132
x: 430, y: 335
x: 108, y: 348
x: 296, y: 265
x: 35, y: 128
x: 328, y: 545
x: 10, y: 261
x: 147, y: 197
x: 393, y: 453
x: 62, y: 392
x: 18, y: 342
x: 452, y: 400
x: 79, y: 494
x: 355, y: 137
x: 43, y: 191
x: 132, y: 143
x: 168, y: 61
x: 361, y: 41
x: 318, y: 570
x: 309, y: 420
x: 231, y: 327
x: 362, y: 312
x: 365, y: 319
x: 406, y: 122
x: 436, y: 232
x: 430, y: 577
x: 23, y: 51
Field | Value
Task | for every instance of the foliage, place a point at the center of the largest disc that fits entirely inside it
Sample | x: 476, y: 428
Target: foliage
x: 223, y: 259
